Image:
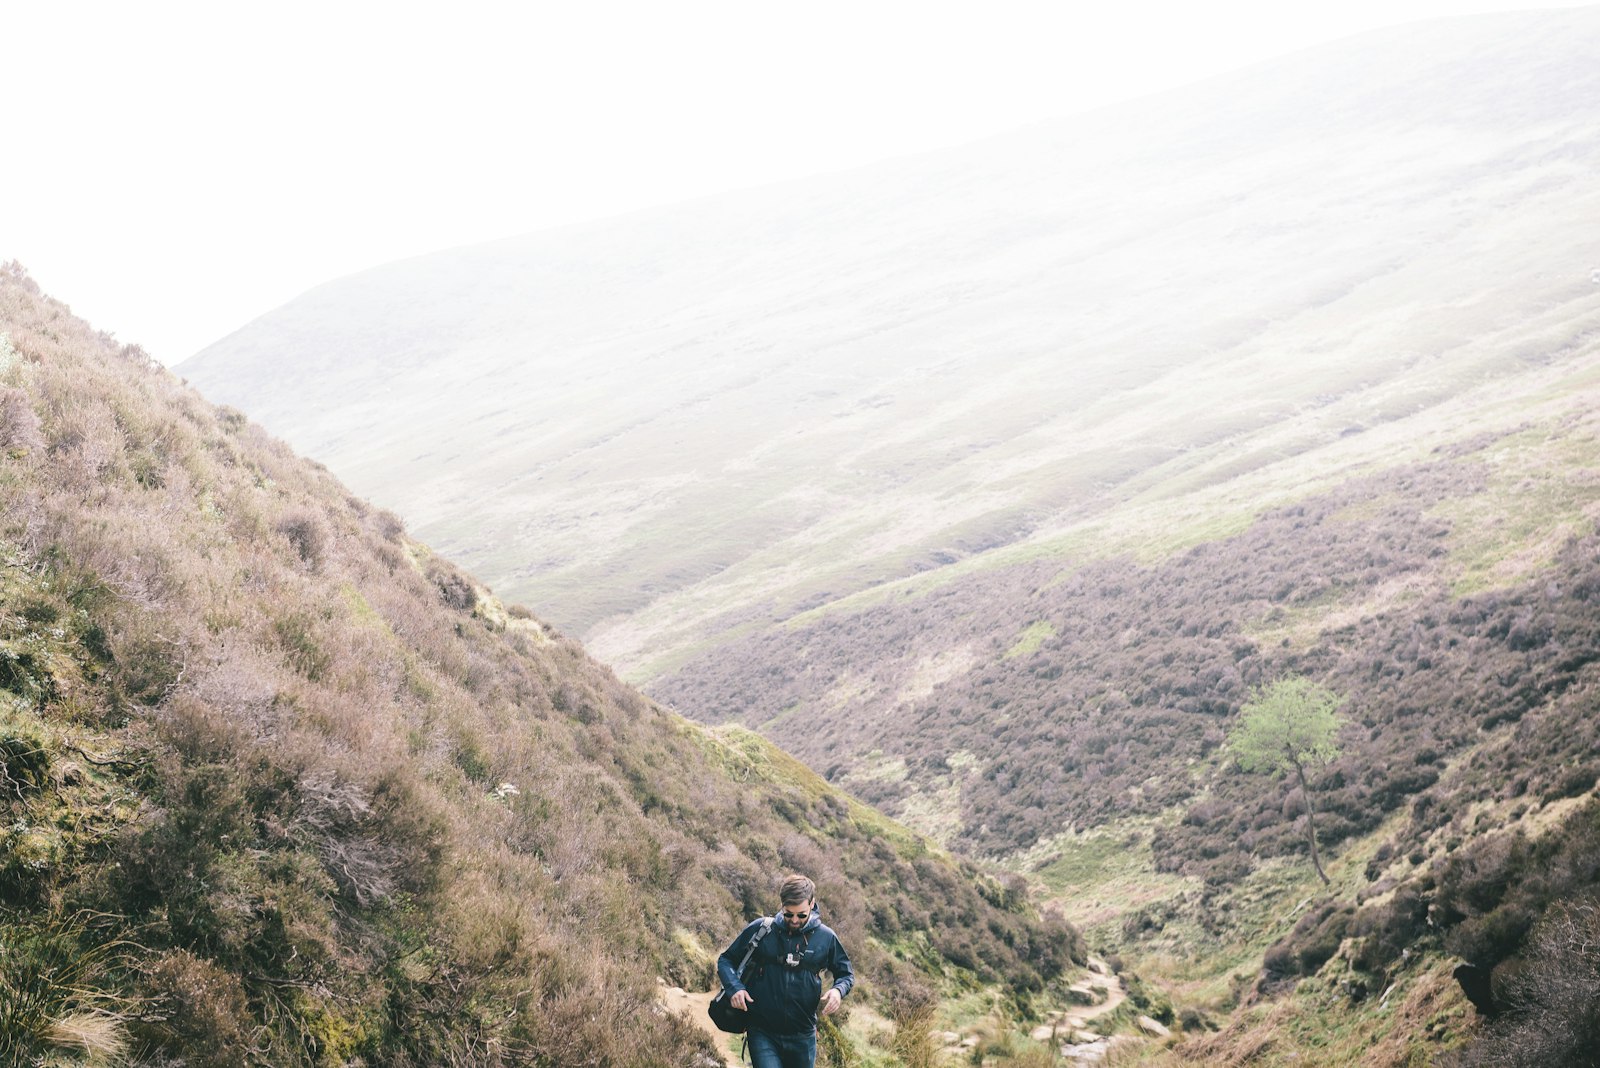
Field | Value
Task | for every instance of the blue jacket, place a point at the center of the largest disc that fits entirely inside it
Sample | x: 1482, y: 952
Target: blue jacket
x: 786, y: 996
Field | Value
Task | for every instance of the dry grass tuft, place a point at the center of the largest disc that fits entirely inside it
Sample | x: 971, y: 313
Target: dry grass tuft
x: 100, y: 1037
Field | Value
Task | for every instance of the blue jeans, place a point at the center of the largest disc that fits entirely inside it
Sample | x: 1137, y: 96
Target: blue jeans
x: 782, y: 1051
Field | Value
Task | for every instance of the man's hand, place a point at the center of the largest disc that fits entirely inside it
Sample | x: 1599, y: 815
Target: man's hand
x: 741, y: 1000
x: 830, y: 1001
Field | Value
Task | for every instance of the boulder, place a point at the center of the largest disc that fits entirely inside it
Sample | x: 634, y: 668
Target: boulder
x: 1152, y: 1027
x: 1093, y: 1053
x: 1474, y: 982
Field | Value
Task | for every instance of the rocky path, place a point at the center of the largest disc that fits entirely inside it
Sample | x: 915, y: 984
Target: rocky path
x: 1099, y: 993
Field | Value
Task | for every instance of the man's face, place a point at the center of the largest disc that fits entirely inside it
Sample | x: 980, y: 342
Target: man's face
x: 795, y: 916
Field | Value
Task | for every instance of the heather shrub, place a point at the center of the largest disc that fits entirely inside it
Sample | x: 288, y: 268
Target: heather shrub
x: 146, y: 663
x: 1310, y: 944
x: 1148, y: 999
x: 1572, y: 782
x: 453, y: 587
x: 1491, y: 936
x: 1477, y: 877
x: 24, y: 763
x: 195, y: 1011
x: 1552, y: 1003
x: 19, y: 425
x: 386, y: 524
x: 1386, y: 931
x: 298, y: 635
x: 307, y: 534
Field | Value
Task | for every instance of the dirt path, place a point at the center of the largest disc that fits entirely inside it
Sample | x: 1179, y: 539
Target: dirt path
x: 1100, y: 980
x: 693, y: 1006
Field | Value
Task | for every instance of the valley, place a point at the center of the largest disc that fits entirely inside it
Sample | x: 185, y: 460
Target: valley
x: 927, y: 527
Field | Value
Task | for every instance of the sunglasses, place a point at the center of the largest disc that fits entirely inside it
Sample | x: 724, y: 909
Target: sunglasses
x: 796, y: 915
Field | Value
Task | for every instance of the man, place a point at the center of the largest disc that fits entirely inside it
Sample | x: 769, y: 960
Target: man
x: 782, y: 984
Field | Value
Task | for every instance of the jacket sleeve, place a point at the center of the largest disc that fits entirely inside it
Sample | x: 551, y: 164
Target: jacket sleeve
x: 844, y: 976
x: 728, y: 962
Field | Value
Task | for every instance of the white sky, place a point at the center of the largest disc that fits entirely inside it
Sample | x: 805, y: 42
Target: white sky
x: 173, y: 170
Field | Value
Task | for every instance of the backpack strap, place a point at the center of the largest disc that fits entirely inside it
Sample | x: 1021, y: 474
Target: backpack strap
x: 766, y: 925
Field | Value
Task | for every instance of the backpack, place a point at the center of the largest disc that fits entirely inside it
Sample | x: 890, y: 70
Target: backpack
x: 722, y: 1013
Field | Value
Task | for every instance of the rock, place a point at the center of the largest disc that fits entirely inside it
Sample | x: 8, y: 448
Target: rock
x: 1151, y: 1027
x: 1084, y: 1038
x: 1094, y: 1053
x: 1474, y: 982
x: 1042, y: 1033
x: 1082, y: 994
x: 1097, y: 966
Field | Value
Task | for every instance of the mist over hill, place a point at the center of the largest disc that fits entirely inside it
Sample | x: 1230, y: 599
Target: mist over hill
x: 673, y: 428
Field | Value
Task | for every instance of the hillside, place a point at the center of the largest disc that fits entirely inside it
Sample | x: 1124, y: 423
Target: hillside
x: 282, y: 787
x: 1450, y: 600
x: 673, y: 430
x: 1072, y: 717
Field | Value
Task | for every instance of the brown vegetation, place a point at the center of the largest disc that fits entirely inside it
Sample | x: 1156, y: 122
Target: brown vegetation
x: 1148, y: 664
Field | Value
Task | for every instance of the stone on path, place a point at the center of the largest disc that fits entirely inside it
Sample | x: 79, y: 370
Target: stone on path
x: 1082, y: 994
x: 1094, y: 1053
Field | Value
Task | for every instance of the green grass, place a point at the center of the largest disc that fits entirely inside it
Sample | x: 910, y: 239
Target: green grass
x: 1544, y: 487
x: 747, y: 756
x: 1103, y: 877
x: 1317, y: 1026
x: 1032, y: 637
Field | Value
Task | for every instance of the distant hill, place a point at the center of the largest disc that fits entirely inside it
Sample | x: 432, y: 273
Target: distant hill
x: 281, y: 786
x: 673, y: 429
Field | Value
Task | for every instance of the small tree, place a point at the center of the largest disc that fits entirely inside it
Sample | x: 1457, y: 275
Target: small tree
x: 1288, y: 726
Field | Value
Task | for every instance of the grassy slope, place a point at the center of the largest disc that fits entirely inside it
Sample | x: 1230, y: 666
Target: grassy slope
x: 283, y: 787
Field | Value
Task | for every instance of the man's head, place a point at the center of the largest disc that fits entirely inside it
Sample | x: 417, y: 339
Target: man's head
x: 799, y: 897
